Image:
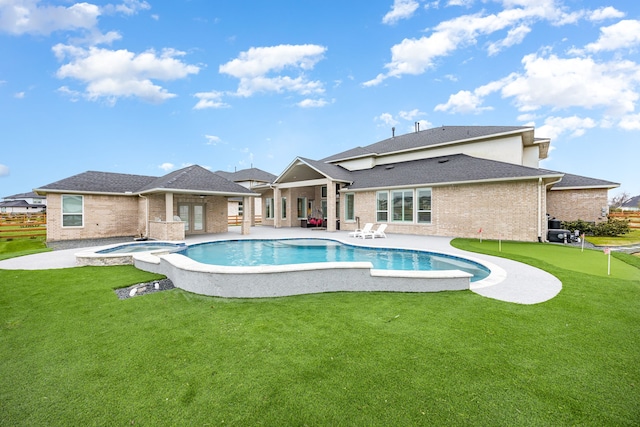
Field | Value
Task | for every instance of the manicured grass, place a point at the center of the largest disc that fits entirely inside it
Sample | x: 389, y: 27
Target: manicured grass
x: 631, y: 238
x: 20, y: 247
x: 71, y: 353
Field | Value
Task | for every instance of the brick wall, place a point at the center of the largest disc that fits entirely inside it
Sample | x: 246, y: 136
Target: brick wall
x: 507, y: 211
x: 571, y: 205
x: 104, y: 216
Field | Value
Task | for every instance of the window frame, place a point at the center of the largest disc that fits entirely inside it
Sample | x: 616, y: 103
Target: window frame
x: 404, y: 208
x: 382, y: 211
x: 283, y: 206
x: 70, y: 214
x: 302, y: 207
x: 268, y: 207
x: 350, y: 199
x: 424, y: 211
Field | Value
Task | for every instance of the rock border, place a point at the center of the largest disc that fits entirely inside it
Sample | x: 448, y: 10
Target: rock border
x: 144, y: 288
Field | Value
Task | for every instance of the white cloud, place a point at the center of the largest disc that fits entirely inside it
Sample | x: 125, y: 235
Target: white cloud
x: 462, y: 102
x: 255, y: 66
x: 387, y: 119
x: 554, y: 127
x: 630, y: 122
x: 411, y: 115
x: 605, y: 13
x: 624, y: 34
x: 166, y: 166
x: 28, y: 17
x: 312, y: 103
x: 211, y: 99
x: 4, y: 170
x: 573, y: 82
x: 415, y: 56
x: 213, y: 140
x: 401, y: 9
x: 113, y: 74
x: 127, y: 7
x: 514, y: 36
x: 19, y: 95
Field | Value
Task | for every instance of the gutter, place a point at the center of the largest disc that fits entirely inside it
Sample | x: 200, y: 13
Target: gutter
x: 540, y: 185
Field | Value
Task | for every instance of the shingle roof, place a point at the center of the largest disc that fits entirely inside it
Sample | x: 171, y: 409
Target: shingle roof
x: 194, y: 178
x: 332, y: 171
x: 190, y: 179
x: 456, y: 168
x: 251, y: 174
x: 633, y: 202
x: 425, y: 138
x: 577, y: 181
x: 30, y: 195
x: 20, y: 204
x: 100, y: 182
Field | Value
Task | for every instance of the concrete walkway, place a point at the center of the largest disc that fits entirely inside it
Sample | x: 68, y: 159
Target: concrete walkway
x: 509, y: 281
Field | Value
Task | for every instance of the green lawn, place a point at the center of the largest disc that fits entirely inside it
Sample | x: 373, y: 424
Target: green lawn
x: 71, y: 353
x: 631, y: 238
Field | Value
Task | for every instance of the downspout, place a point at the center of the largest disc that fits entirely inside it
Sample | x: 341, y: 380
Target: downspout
x: 546, y: 186
x: 146, y: 216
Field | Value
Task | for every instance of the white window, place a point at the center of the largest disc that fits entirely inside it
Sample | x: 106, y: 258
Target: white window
x: 302, y: 207
x: 72, y: 211
x: 349, y: 207
x: 284, y: 207
x: 269, y: 207
x: 424, y: 205
x: 382, y: 206
x: 402, y: 205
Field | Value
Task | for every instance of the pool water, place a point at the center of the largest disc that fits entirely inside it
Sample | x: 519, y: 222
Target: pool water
x: 246, y: 253
x: 141, y: 247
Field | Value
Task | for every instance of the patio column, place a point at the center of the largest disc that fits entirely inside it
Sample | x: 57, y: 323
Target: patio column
x: 247, y: 215
x: 168, y: 206
x: 331, y: 205
x: 252, y: 201
x: 276, y: 207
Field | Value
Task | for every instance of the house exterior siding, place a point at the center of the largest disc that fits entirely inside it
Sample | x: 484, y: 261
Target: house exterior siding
x: 507, y: 211
x: 585, y: 204
x: 104, y: 216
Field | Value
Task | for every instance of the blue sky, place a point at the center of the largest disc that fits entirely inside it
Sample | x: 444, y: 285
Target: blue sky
x: 146, y: 87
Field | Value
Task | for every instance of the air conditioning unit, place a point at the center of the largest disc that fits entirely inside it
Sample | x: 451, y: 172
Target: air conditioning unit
x: 559, y: 236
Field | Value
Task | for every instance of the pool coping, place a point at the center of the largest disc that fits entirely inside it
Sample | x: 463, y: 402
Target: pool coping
x: 521, y: 284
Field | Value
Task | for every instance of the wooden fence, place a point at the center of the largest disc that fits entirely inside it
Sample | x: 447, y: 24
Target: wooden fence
x: 237, y: 219
x: 23, y: 225
x: 632, y: 216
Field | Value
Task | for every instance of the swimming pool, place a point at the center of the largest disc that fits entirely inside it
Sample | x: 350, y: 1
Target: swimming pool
x: 252, y: 253
x: 122, y: 254
x: 141, y: 247
x: 328, y: 275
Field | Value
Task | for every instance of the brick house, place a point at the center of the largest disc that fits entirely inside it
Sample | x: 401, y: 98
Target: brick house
x: 94, y: 205
x: 248, y: 178
x: 445, y: 181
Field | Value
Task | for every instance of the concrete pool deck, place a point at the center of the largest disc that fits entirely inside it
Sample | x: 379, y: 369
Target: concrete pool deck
x: 510, y: 281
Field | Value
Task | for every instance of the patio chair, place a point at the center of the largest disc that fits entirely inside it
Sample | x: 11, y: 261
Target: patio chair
x: 379, y: 233
x: 360, y: 232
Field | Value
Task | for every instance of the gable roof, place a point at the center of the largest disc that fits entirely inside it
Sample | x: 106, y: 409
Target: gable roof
x: 633, y: 202
x: 429, y: 137
x: 30, y: 195
x: 457, y: 168
x: 303, y: 169
x: 251, y: 174
x: 192, y: 179
x: 570, y: 182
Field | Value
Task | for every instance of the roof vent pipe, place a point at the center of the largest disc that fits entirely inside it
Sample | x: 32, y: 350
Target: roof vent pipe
x: 393, y: 132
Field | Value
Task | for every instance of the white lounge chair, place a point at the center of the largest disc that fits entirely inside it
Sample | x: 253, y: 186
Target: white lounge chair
x: 360, y: 232
x: 379, y: 233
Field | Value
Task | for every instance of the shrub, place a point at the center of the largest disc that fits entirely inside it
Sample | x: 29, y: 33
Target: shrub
x: 580, y: 225
x: 613, y: 227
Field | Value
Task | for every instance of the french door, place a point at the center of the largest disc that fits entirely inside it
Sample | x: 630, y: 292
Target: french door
x: 192, y: 215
